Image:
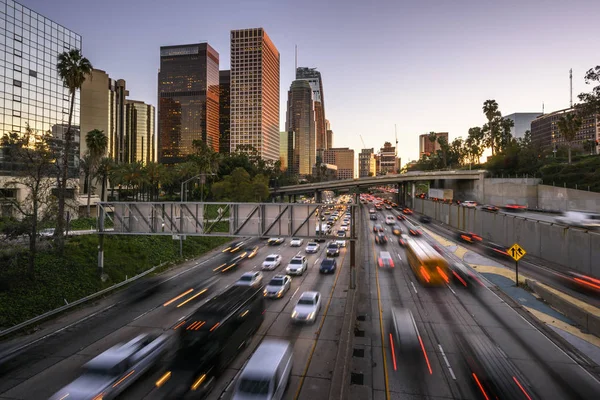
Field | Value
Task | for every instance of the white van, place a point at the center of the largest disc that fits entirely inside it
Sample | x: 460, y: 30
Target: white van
x: 267, y: 373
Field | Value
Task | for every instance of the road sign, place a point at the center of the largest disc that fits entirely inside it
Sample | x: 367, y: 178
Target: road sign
x: 516, y: 252
x: 220, y: 211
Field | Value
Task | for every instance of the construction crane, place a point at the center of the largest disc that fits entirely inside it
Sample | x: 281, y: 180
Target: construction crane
x: 363, y: 142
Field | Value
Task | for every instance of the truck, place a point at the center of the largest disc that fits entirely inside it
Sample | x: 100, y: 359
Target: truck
x: 441, y: 194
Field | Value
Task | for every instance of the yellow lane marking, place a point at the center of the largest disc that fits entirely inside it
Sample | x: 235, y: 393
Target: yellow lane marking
x: 576, y: 302
x: 505, y: 272
x: 385, y: 372
x: 564, y: 326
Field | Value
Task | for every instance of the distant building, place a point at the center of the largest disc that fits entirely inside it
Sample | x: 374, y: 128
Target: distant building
x: 327, y: 172
x: 522, y: 123
x: 140, y: 132
x: 224, y: 110
x: 188, y: 94
x: 283, y: 150
x: 367, y: 163
x: 300, y: 120
x: 427, y: 147
x: 313, y: 77
x: 545, y: 133
x: 388, y: 162
x: 254, y: 93
x: 343, y: 158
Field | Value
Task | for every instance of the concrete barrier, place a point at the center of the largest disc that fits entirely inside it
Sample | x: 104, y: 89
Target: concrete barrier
x: 553, y: 239
x: 579, y: 250
x: 594, y: 254
x: 527, y: 235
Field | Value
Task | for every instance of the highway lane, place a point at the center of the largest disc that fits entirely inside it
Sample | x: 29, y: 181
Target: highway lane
x: 441, y: 314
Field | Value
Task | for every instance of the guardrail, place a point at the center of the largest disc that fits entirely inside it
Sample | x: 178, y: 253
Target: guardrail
x: 58, y: 310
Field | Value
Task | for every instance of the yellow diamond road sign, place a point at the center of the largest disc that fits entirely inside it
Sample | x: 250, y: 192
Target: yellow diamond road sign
x: 516, y: 252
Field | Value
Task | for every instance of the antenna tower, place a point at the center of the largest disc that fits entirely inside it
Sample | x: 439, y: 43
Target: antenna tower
x: 296, y: 63
x: 571, y: 87
x: 396, y: 131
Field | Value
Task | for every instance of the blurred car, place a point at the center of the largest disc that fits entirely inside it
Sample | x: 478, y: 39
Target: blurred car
x: 377, y: 228
x: 461, y: 273
x: 275, y: 241
x: 297, y: 265
x: 277, y: 286
x: 312, y: 247
x: 514, y: 207
x: 110, y: 373
x: 231, y: 263
x: 580, y: 219
x: 333, y: 249
x: 390, y: 220
x: 380, y: 238
x: 404, y: 331
x: 307, y: 308
x: 46, y: 233
x: 385, y: 260
x: 252, y: 278
x: 414, y: 231
x: 425, y: 219
x: 296, y: 242
x: 407, y: 211
x: 341, y: 242
x: 401, y: 217
x: 251, y: 251
x: 328, y: 265
x: 489, y: 208
x: 388, y: 207
x: 234, y: 247
x: 397, y: 230
x: 403, y: 240
x: 468, y: 237
x: 373, y: 217
x: 495, y: 249
x: 584, y: 281
x: 271, y: 262
x: 469, y: 204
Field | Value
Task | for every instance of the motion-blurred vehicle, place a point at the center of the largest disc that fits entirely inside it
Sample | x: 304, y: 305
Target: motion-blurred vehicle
x: 430, y: 267
x: 328, y: 266
x: 469, y: 204
x: 461, y: 273
x: 385, y: 260
x: 271, y: 262
x: 267, y: 374
x: 407, y: 211
x: 489, y: 208
x: 297, y: 265
x: 333, y: 249
x: 46, y: 233
x: 585, y: 281
x: 312, y: 247
x: 377, y: 228
x: 373, y: 217
x: 468, y: 237
x: 414, y: 231
x: 234, y: 247
x: 401, y: 217
x: 493, y: 375
x: 209, y: 340
x: 380, y: 238
x: 251, y: 251
x: 390, y: 220
x: 275, y: 241
x: 307, y: 308
x: 580, y: 219
x: 514, y: 207
x: 388, y: 207
x: 495, y: 249
x: 231, y: 263
x: 252, y: 278
x: 404, y: 331
x: 403, y: 239
x: 296, y: 242
x: 425, y: 219
x: 110, y: 373
x: 397, y: 230
x: 277, y: 286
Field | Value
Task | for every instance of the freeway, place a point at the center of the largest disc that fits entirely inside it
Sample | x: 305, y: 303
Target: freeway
x: 443, y: 316
x: 43, y: 368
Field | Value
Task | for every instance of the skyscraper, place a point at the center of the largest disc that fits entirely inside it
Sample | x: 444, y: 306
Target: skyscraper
x: 343, y: 158
x: 388, y: 162
x: 283, y: 150
x: 32, y: 92
x: 140, y: 132
x: 367, y: 164
x: 522, y: 122
x: 254, y: 93
x: 188, y: 100
x: 316, y: 83
x: 300, y: 122
x: 224, y: 110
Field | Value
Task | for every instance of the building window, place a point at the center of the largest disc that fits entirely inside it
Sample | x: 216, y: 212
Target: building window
x: 17, y: 68
x: 16, y: 113
x: 33, y: 73
x: 16, y: 83
x: 18, y: 53
x: 16, y: 98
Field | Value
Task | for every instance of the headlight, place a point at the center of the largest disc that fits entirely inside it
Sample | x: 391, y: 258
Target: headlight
x: 311, y: 315
x: 265, y: 292
x: 294, y: 314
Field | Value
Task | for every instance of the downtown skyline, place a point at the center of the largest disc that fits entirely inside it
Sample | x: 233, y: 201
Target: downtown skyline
x: 381, y: 66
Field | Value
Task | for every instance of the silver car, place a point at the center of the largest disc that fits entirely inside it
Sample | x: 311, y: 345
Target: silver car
x: 271, y: 262
x: 277, y: 286
x: 307, y: 308
x: 312, y: 247
x: 297, y: 265
x: 253, y: 278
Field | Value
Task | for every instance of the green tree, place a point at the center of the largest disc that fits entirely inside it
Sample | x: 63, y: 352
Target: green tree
x: 154, y: 172
x: 103, y: 172
x: 73, y: 69
x: 444, y: 149
x: 97, y: 143
x: 589, y: 146
x: 490, y: 109
x: 568, y: 126
x: 591, y: 101
x: 241, y: 187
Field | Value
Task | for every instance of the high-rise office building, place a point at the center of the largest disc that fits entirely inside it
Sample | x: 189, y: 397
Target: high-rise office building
x: 329, y: 134
x: 32, y: 92
x: 545, y: 133
x: 367, y: 163
x: 224, y: 110
x: 188, y: 100
x: 522, y: 123
x: 313, y: 77
x: 300, y: 121
x: 140, y: 132
x: 343, y: 158
x: 388, y: 162
x: 254, y: 93
x: 427, y: 147
x: 103, y: 108
x: 283, y: 150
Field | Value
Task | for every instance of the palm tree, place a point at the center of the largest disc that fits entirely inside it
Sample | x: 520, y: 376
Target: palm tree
x: 490, y: 109
x: 133, y: 176
x: 568, y: 127
x: 84, y: 167
x: 73, y: 69
x: 154, y: 173
x: 102, y: 172
x: 97, y: 143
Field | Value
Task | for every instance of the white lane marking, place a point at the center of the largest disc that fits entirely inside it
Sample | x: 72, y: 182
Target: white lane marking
x: 295, y: 291
x: 414, y: 287
x: 399, y: 256
x: 452, y: 290
x: 446, y: 361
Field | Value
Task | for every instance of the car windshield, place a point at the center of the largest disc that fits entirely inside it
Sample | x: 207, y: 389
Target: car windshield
x: 306, y: 302
x: 254, y: 386
x: 276, y: 282
x: 246, y: 278
x: 296, y: 261
x: 327, y: 263
x: 312, y: 245
x: 271, y: 259
x: 295, y: 239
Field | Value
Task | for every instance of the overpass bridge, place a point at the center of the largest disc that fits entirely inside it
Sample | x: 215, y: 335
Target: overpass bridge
x: 403, y: 181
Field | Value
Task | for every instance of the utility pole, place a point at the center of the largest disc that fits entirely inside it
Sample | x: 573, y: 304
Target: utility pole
x: 571, y: 87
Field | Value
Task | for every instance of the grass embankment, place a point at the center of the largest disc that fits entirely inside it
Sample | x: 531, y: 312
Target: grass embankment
x: 76, y: 274
x: 584, y: 172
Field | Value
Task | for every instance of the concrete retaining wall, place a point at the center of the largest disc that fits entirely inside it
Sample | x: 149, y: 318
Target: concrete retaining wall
x: 557, y: 198
x: 511, y: 190
x: 573, y: 248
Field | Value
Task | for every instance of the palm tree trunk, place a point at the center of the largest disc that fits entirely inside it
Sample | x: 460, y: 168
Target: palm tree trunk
x: 60, y: 223
x: 89, y: 194
x: 569, y: 150
x: 32, y: 240
x: 103, y: 189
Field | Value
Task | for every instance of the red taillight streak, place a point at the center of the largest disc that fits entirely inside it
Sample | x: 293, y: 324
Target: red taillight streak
x: 460, y: 279
x: 392, y: 263
x: 589, y: 278
x: 425, y: 274
x: 465, y: 238
x: 480, y: 387
x: 425, y: 354
x: 587, y: 283
x: 500, y: 251
x: 179, y: 324
x: 521, y: 387
x: 380, y: 263
x: 443, y: 274
x: 393, y: 352
x: 477, y: 279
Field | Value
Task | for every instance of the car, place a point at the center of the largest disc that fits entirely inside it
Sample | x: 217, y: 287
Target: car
x: 345, y: 222
x: 110, y: 373
x: 407, y: 211
x: 469, y: 204
x: 390, y: 220
x: 328, y: 265
x: 46, y: 233
x: 252, y: 278
x: 341, y: 242
x: 373, y: 217
x: 275, y: 241
x: 307, y: 308
x: 515, y: 207
x: 296, y: 242
x: 277, y: 286
x: 377, y: 228
x: 297, y: 265
x: 333, y: 249
x: 468, y: 237
x: 580, y: 219
x: 401, y: 217
x: 388, y: 207
x: 234, y: 247
x: 251, y: 251
x: 231, y: 263
x: 414, y: 231
x: 271, y: 262
x: 397, y: 230
x: 489, y: 208
x: 403, y: 240
x: 345, y: 228
x: 380, y: 238
x: 404, y: 331
x: 385, y: 260
x: 425, y: 219
x: 312, y: 247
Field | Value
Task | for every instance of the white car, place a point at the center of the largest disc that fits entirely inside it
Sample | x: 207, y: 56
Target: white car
x: 307, y: 308
x: 390, y: 220
x: 277, y: 286
x: 469, y: 204
x: 296, y: 242
x: 297, y: 265
x: 253, y: 278
x: 271, y: 262
x: 312, y: 247
x: 276, y: 241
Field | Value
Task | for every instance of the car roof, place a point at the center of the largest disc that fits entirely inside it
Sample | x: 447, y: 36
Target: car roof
x: 251, y: 273
x: 308, y: 295
x: 273, y: 255
x: 266, y: 359
x: 298, y: 257
x: 278, y: 276
x: 384, y: 254
x: 313, y: 244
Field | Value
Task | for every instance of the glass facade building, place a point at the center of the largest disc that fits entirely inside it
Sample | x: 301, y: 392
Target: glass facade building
x: 224, y: 110
x: 140, y: 133
x: 188, y: 100
x: 545, y: 132
x: 300, y: 122
x: 31, y: 92
x: 313, y: 77
x: 254, y: 93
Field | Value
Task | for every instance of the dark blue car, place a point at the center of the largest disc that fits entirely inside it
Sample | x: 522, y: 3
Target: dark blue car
x: 328, y: 266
